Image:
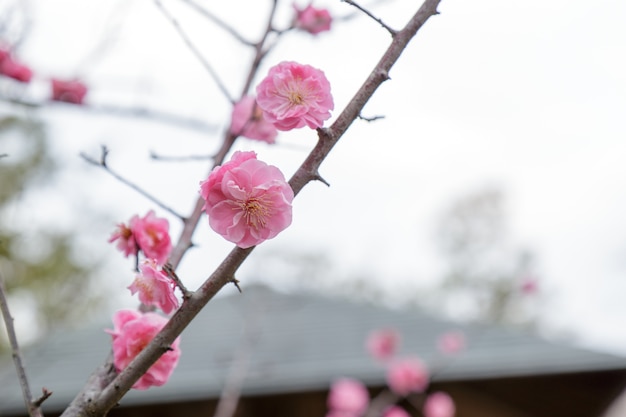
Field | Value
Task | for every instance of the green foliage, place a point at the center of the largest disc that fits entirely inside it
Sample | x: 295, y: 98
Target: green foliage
x: 40, y: 265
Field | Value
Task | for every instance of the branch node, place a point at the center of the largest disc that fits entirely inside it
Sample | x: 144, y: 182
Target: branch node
x: 319, y: 178
x: 371, y: 119
x: 235, y: 281
x: 169, y: 270
x: 45, y: 394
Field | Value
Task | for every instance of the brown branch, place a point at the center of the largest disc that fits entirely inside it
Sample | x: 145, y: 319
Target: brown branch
x: 192, y: 47
x: 393, y: 32
x: 31, y: 405
x: 95, y: 405
x: 219, y: 22
x: 102, y: 163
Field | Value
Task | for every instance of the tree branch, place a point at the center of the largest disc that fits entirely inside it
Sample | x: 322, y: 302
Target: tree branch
x: 219, y: 22
x: 99, y: 405
x: 31, y: 405
x: 393, y: 32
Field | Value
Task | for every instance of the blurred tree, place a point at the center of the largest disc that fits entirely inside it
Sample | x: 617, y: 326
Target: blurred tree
x: 486, y: 276
x: 41, y: 268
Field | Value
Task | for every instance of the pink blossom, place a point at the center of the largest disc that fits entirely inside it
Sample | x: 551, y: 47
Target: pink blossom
x: 152, y: 236
x: 439, y: 404
x: 11, y: 68
x: 125, y: 240
x: 407, y: 375
x: 3, y: 53
x: 131, y: 334
x: 247, y: 201
x: 154, y: 287
x: 72, y: 91
x: 395, y: 411
x: 247, y: 121
x: 383, y: 343
x: 529, y: 285
x: 294, y: 95
x: 312, y: 20
x: 348, y: 397
x: 451, y: 342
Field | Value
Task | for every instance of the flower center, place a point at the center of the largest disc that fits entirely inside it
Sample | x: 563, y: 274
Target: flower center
x: 295, y: 97
x: 255, y: 212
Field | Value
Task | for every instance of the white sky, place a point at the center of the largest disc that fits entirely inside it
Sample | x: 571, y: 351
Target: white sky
x: 527, y: 96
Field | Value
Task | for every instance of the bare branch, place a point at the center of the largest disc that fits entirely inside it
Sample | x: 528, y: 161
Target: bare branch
x: 31, y: 406
x: 219, y: 22
x: 195, y: 51
x: 371, y: 119
x: 158, y: 157
x: 393, y: 32
x: 103, y: 164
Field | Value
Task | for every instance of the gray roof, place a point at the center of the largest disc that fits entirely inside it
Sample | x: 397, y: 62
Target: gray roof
x: 298, y: 342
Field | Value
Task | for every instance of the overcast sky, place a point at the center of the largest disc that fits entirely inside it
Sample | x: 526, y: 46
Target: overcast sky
x: 528, y: 97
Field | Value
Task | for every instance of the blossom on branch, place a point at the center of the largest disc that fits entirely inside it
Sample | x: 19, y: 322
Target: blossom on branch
x: 293, y: 95
x: 348, y: 397
x: 72, y: 91
x: 439, y: 404
x: 125, y: 239
x: 11, y: 68
x: 247, y: 201
x: 407, y: 375
x: 312, y: 20
x: 150, y: 234
x: 382, y: 344
x: 132, y: 332
x: 155, y: 287
x: 247, y: 121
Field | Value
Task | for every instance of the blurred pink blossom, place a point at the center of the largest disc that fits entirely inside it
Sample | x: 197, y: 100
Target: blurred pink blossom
x: 439, y: 404
x: 154, y: 287
x: 247, y: 201
x: 348, y: 396
x: 451, y: 342
x: 152, y: 236
x: 247, y: 121
x: 395, y: 411
x: 71, y: 91
x: 131, y: 334
x: 125, y: 240
x: 312, y: 20
x: 11, y: 68
x: 382, y: 344
x: 407, y: 375
x: 295, y: 95
x: 529, y: 285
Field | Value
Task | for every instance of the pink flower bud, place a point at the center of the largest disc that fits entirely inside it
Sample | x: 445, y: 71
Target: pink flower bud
x: 132, y: 332
x: 348, y: 397
x: 407, y: 375
x: 312, y: 20
x: 382, y: 344
x: 68, y: 91
x: 247, y: 201
x: 451, y: 342
x: 247, y: 121
x: 13, y: 69
x: 439, y: 404
x: 293, y: 95
x: 152, y: 236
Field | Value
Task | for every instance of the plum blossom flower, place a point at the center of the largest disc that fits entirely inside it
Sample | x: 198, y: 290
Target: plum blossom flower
x: 348, y: 396
x: 407, y: 375
x: 247, y: 201
x: 11, y: 68
x: 439, y: 404
x: 154, y: 287
x: 71, y: 91
x: 451, y: 342
x: 293, y: 95
x: 125, y: 240
x: 152, y: 236
x: 529, y: 285
x: 395, y: 411
x: 131, y: 334
x: 383, y: 343
x: 312, y: 20
x: 247, y: 121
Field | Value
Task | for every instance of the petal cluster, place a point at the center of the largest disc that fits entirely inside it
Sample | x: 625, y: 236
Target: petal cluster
x: 312, y: 20
x: 293, y: 95
x: 407, y: 375
x: 12, y: 68
x: 131, y: 334
x: 246, y: 200
x: 150, y: 234
x: 247, y: 121
x: 382, y: 344
x: 71, y: 91
x: 155, y: 287
x: 439, y: 404
x: 348, y: 397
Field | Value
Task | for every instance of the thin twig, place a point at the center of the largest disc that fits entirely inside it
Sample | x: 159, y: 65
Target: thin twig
x: 158, y: 157
x: 103, y: 164
x: 371, y: 119
x: 31, y: 406
x: 392, y: 31
x: 167, y: 268
x: 4, y: 155
x: 219, y: 22
x: 192, y: 47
